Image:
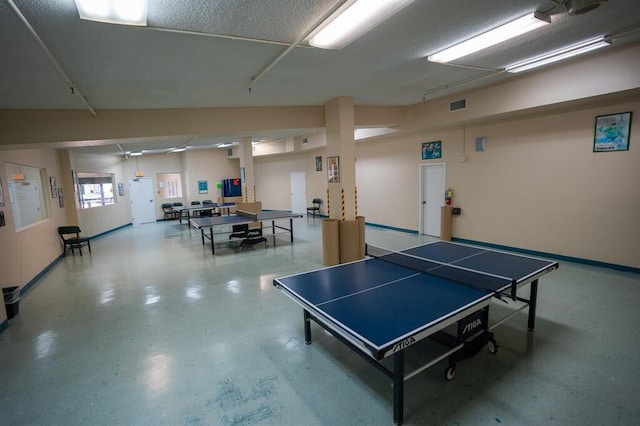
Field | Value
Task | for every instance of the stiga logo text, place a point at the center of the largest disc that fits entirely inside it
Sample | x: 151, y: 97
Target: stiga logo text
x: 471, y: 326
x: 405, y: 343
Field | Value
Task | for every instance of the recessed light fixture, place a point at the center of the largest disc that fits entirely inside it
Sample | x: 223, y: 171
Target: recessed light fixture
x: 123, y: 12
x: 502, y: 33
x: 559, y: 55
x: 352, y: 20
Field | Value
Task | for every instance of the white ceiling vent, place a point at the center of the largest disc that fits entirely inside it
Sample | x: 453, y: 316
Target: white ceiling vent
x: 458, y: 105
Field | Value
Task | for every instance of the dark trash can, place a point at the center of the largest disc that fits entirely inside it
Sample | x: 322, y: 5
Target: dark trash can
x: 11, y: 301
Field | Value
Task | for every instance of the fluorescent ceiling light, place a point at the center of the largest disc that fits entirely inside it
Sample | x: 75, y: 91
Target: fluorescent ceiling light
x: 558, y: 55
x: 505, y: 32
x: 178, y: 149
x: 224, y: 145
x: 124, y: 12
x: 135, y: 154
x: 352, y: 20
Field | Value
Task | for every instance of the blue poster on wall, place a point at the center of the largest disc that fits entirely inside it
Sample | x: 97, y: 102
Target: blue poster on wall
x: 203, y: 188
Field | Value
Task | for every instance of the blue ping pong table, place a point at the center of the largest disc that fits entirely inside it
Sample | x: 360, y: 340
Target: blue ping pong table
x: 242, y: 218
x: 210, y: 208
x: 382, y: 305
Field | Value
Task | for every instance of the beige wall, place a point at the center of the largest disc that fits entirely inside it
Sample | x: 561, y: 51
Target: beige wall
x: 211, y: 165
x: 25, y: 253
x: 95, y: 221
x: 538, y: 186
x: 273, y: 183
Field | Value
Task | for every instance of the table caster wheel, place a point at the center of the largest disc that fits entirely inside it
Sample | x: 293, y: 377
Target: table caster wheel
x: 450, y: 372
x: 492, y: 346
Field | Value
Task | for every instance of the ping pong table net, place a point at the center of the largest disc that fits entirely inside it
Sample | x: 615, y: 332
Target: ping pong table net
x: 249, y: 215
x: 485, y: 281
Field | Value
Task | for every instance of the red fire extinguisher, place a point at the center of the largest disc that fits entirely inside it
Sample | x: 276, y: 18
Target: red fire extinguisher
x: 448, y: 195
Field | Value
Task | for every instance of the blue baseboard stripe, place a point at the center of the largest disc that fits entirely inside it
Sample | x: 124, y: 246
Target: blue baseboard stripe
x: 524, y: 251
x: 3, y: 325
x: 392, y: 228
x: 24, y: 289
x: 37, y: 278
x: 111, y: 231
x: 551, y: 256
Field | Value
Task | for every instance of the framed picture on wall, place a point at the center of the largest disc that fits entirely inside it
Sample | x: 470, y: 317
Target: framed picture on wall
x: 612, y: 132
x: 52, y: 182
x: 121, y: 189
x: 333, y: 169
x: 60, y: 198
x: 431, y: 150
x: 1, y: 194
x: 319, y: 163
x: 203, y: 187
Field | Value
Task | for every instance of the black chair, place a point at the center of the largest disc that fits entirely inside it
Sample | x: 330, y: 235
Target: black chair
x: 74, y: 241
x: 248, y: 235
x: 315, y: 208
x: 195, y: 212
x: 208, y: 204
x: 168, y: 211
x: 181, y: 212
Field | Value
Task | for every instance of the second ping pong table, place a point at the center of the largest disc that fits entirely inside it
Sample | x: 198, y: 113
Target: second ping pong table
x: 209, y: 208
x: 242, y: 218
x: 384, y: 304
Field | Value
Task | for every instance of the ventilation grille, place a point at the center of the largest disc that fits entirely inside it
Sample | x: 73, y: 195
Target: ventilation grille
x: 578, y: 7
x: 458, y: 105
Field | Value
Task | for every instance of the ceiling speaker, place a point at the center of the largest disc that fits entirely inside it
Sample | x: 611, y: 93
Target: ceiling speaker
x: 481, y: 142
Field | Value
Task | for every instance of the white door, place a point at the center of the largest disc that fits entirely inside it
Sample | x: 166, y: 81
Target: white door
x: 143, y: 205
x: 432, y: 187
x: 298, y: 192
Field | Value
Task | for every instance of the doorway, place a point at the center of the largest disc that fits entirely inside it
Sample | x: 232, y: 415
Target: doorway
x: 298, y: 192
x: 143, y: 205
x: 432, y: 187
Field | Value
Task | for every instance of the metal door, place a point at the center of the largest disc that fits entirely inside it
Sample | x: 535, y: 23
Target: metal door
x: 298, y: 192
x: 143, y: 205
x: 432, y: 187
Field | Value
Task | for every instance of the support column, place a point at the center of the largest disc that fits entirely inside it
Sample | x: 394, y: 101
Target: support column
x: 245, y: 151
x: 339, y: 123
x: 341, y: 186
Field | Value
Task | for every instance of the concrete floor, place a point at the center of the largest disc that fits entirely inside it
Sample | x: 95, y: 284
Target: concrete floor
x: 153, y: 329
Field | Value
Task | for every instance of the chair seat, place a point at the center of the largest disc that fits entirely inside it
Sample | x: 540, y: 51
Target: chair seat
x: 315, y: 208
x: 75, y: 241
x: 248, y: 235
